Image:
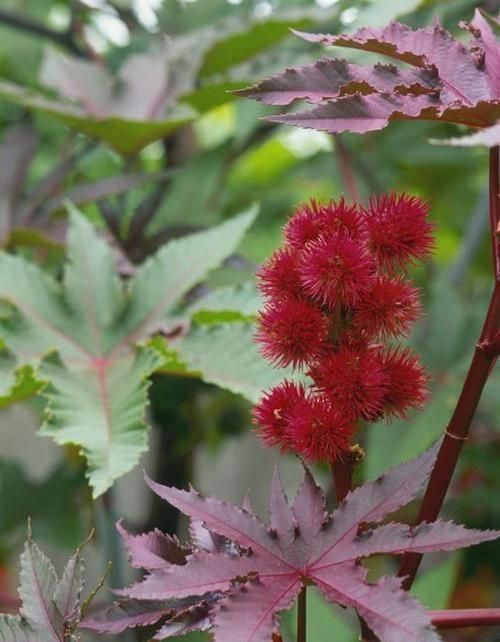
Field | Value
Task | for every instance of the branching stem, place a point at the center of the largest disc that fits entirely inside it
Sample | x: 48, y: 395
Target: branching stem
x: 342, y: 478
x: 458, y: 618
x: 481, y: 365
x: 346, y: 168
x: 302, y: 616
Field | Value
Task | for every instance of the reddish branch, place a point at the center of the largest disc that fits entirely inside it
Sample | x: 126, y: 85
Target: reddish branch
x: 458, y: 618
x: 482, y: 362
x: 346, y: 168
x: 342, y: 478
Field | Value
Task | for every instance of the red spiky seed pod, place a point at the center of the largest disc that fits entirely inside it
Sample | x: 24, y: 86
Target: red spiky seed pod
x: 398, y: 231
x: 305, y: 225
x: 389, y: 308
x: 318, y: 432
x: 343, y: 219
x: 278, y: 277
x: 335, y: 270
x: 312, y: 220
x: 272, y: 413
x: 407, y: 382
x: 354, y: 381
x: 292, y: 332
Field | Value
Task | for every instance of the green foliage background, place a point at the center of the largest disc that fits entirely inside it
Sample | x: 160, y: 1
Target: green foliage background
x: 208, y: 158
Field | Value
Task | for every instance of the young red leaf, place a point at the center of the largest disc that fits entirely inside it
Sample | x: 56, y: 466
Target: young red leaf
x: 487, y: 42
x: 361, y: 114
x: 333, y: 77
x: 448, y: 80
x: 268, y: 566
x: 434, y: 47
x: 128, y: 614
x: 152, y: 550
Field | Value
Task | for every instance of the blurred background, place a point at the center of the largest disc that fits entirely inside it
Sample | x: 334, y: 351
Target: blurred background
x: 205, y: 157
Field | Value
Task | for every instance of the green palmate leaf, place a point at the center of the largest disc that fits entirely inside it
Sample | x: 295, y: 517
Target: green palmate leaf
x: 176, y: 268
x: 241, y: 46
x: 226, y: 356
x: 112, y: 433
x: 16, y: 384
x: 14, y: 629
x: 230, y: 303
x: 81, y: 336
x: 124, y: 134
x: 212, y: 95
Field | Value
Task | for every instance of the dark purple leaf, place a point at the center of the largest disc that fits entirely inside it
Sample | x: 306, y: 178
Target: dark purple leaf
x: 127, y: 614
x: 448, y: 80
x: 491, y: 49
x: 431, y: 46
x: 330, y: 78
x: 192, y: 619
x: 360, y: 114
x: 152, y: 550
x: 263, y: 575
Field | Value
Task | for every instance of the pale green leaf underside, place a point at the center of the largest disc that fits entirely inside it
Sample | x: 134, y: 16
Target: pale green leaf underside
x: 112, y: 434
x: 228, y: 303
x: 126, y: 136
x: 81, y: 336
x: 226, y: 355
x: 13, y: 629
x: 176, y: 268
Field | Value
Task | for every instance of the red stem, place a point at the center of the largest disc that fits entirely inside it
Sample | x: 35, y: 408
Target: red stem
x: 482, y: 362
x: 458, y: 618
x: 494, y: 188
x: 346, y: 168
x: 342, y: 472
x: 302, y: 615
x: 342, y: 478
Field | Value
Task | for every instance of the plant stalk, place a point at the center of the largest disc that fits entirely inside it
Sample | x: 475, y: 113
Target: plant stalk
x: 346, y: 168
x: 342, y: 478
x: 458, y: 618
x: 483, y: 360
x: 106, y: 518
x: 302, y: 615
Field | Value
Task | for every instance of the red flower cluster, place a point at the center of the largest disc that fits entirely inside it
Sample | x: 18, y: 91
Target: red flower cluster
x: 335, y: 299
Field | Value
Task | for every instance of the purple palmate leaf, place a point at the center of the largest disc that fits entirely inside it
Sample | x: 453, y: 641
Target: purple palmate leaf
x: 153, y: 550
x: 333, y: 77
x: 262, y: 574
x: 129, y: 614
x: 446, y: 80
